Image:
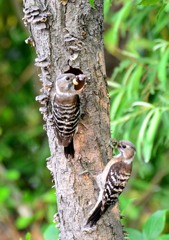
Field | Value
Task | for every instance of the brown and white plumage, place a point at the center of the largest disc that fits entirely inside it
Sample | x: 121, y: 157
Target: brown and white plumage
x: 113, y: 180
x: 66, y: 109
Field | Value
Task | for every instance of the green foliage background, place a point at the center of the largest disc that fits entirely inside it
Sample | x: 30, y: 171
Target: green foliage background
x: 137, y: 37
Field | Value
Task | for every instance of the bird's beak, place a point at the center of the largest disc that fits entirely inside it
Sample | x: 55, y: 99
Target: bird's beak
x: 119, y: 145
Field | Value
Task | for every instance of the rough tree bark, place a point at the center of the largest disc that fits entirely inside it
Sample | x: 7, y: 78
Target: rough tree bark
x: 67, y: 36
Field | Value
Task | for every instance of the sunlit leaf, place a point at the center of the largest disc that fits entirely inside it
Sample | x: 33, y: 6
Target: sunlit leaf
x: 107, y: 4
x: 5, y: 194
x: 134, y: 234
x: 23, y: 222
x: 148, y: 2
x: 134, y: 83
x: 128, y: 73
x: 163, y: 237
x: 140, y: 141
x: 119, y: 17
x: 28, y: 236
x: 12, y: 175
x: 154, y: 225
x: 162, y: 69
x: 123, y: 65
x: 143, y: 104
x: 116, y: 104
x: 92, y: 3
x: 51, y: 232
x: 150, y: 134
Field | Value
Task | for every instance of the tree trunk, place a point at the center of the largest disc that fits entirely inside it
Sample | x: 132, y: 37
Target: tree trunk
x: 67, y: 36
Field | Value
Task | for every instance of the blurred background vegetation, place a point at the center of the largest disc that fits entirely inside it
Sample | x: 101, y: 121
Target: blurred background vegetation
x: 137, y: 36
x: 137, y: 57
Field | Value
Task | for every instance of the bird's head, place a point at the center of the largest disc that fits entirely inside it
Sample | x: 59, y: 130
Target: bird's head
x: 127, y: 150
x: 70, y: 83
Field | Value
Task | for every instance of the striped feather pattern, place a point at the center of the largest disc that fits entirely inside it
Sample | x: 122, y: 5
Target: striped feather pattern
x: 66, y: 118
x: 116, y: 182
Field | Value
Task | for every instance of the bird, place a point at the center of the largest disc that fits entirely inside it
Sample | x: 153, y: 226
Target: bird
x: 113, y: 180
x: 66, y: 109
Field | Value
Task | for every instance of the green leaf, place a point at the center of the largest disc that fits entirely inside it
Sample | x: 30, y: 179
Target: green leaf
x: 125, y: 203
x: 12, y: 175
x: 92, y: 3
x: 164, y: 237
x: 116, y: 104
x: 148, y: 2
x: 107, y: 4
x: 120, y: 16
x: 5, y: 193
x: 143, y: 104
x: 140, y: 141
x: 28, y: 236
x: 147, y: 151
x: 134, y: 234
x: 162, y: 69
x: 128, y: 74
x: 51, y: 233
x: 121, y: 68
x: 154, y: 225
x: 151, y: 133
x: 134, y: 83
x: 23, y: 222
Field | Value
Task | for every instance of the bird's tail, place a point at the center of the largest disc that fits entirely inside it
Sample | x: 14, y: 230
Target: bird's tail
x: 95, y: 216
x: 69, y: 150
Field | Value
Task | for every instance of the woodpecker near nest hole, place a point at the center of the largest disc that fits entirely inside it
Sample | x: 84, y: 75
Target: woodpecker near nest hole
x: 66, y: 109
x: 113, y: 180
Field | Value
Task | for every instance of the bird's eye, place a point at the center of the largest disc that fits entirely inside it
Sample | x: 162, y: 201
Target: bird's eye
x: 67, y: 78
x: 123, y: 146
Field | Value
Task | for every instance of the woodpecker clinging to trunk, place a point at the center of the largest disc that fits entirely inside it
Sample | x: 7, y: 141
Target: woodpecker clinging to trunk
x: 66, y: 109
x: 113, y: 180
